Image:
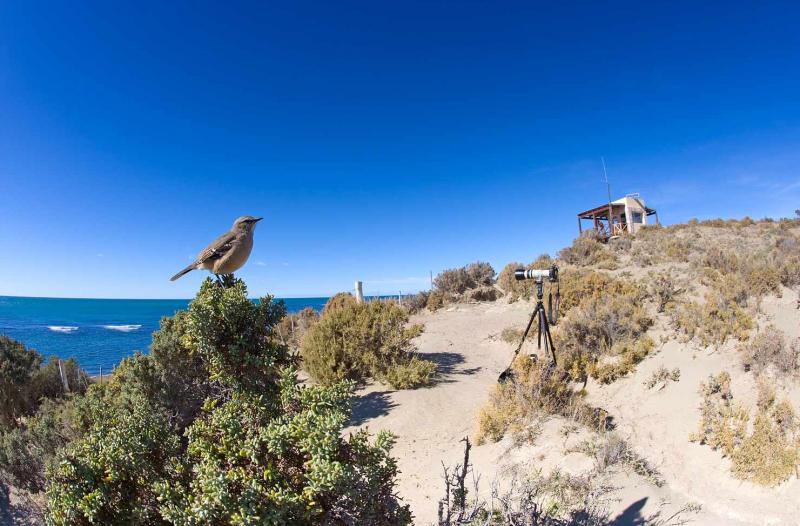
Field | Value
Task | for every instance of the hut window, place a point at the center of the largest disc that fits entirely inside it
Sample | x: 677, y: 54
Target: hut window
x: 637, y: 217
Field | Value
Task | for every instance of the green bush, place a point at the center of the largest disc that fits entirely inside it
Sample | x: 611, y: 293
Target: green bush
x: 359, y: 341
x: 723, y: 425
x: 25, y: 381
x: 261, y: 449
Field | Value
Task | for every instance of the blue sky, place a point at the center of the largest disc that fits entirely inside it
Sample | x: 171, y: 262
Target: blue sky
x: 379, y: 140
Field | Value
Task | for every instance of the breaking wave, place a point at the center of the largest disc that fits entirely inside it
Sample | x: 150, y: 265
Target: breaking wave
x: 62, y: 328
x: 122, y: 328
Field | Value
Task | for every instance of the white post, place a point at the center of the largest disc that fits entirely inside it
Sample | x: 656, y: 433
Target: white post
x: 63, y: 376
x: 359, y: 293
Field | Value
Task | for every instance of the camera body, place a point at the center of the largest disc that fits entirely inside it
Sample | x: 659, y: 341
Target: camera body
x: 550, y: 274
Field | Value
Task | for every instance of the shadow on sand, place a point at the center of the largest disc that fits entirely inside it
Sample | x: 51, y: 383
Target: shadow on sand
x: 447, y: 365
x: 369, y: 406
x: 632, y: 515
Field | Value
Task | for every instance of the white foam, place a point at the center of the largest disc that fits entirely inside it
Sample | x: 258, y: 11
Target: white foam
x: 62, y: 328
x: 122, y: 328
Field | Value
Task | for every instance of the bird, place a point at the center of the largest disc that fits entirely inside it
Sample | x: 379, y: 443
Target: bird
x: 229, y: 252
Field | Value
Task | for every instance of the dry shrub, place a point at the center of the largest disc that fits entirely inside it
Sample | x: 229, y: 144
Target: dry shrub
x: 662, y: 376
x: 338, y: 301
x: 663, y: 289
x: 538, y: 388
x: 524, y: 289
x: 599, y: 327
x: 587, y: 250
x: 723, y: 425
x: 768, y: 350
x: 357, y: 341
x: 577, y: 285
x: 712, y: 323
x: 436, y: 300
x: 769, y: 455
x: 653, y: 245
x: 511, y: 335
x: 293, y: 327
x: 459, y: 280
x: 621, y: 359
x: 416, y: 302
x: 612, y: 450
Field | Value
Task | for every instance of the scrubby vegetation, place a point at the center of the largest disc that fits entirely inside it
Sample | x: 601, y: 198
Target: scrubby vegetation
x: 768, y: 351
x: 662, y: 376
x: 294, y: 326
x: 524, y: 289
x: 537, y: 389
x: 767, y: 455
x: 356, y: 341
x: 587, y: 250
x: 212, y: 427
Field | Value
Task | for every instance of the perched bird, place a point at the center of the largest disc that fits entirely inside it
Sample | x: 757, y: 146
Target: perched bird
x: 229, y: 252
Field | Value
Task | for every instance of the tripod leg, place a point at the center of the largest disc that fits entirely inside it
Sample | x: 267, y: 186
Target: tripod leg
x: 507, y: 373
x: 549, y: 339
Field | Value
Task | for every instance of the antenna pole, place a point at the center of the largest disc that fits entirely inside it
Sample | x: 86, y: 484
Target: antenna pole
x: 608, y: 188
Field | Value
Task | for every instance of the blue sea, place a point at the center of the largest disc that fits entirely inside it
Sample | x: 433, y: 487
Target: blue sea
x: 96, y: 332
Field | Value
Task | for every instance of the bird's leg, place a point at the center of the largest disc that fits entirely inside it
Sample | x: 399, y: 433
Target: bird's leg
x: 219, y: 280
x: 228, y: 280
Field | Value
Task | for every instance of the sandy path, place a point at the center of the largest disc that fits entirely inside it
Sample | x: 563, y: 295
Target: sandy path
x: 429, y: 422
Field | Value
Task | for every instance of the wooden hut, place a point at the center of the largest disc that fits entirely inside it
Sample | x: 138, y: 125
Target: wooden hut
x: 619, y: 217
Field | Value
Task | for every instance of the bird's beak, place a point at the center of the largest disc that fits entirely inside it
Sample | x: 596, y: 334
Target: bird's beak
x: 256, y: 220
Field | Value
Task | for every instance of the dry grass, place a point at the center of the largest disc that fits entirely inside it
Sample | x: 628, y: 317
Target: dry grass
x: 662, y: 376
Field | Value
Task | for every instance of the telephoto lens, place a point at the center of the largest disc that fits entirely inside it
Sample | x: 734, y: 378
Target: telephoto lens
x: 549, y: 274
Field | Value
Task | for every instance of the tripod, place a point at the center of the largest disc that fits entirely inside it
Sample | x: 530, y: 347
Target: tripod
x: 543, y: 329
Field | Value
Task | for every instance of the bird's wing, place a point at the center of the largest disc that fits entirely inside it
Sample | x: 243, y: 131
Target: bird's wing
x: 218, y: 248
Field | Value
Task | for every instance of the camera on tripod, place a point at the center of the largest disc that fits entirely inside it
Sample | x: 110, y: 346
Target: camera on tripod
x: 550, y: 274
x: 544, y: 318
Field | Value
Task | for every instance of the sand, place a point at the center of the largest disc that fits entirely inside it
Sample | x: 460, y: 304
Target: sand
x: 464, y: 340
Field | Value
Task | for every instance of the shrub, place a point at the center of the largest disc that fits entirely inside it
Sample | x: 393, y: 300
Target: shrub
x: 524, y: 289
x: 537, y: 389
x: 723, y: 425
x: 436, y: 300
x: 624, y: 358
x: 338, y: 301
x: 712, y: 323
x: 25, y: 382
x: 364, y: 340
x: 293, y: 327
x: 263, y: 449
x: 416, y: 302
x: 663, y: 289
x: 662, y: 376
x: 586, y: 251
x: 454, y: 282
x: 769, y: 455
x: 577, y: 285
x: 593, y: 329
x: 768, y: 349
x: 511, y: 335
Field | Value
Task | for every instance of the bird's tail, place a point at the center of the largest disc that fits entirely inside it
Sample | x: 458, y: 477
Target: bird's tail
x: 184, y: 271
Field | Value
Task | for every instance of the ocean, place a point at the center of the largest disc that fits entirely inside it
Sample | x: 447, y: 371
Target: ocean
x: 96, y: 332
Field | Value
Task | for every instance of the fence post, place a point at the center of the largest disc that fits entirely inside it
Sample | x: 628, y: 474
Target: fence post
x: 359, y: 293
x: 101, y: 374
x: 63, y: 376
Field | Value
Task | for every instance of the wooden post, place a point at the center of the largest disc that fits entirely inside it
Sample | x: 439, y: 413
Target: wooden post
x: 580, y: 227
x: 63, y: 376
x: 359, y: 293
x: 101, y: 374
